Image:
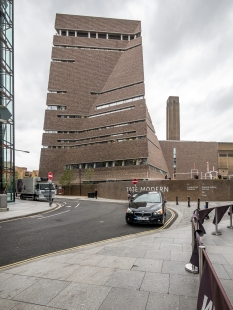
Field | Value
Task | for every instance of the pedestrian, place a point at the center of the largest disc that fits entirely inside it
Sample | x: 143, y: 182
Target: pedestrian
x: 129, y: 195
x: 96, y: 193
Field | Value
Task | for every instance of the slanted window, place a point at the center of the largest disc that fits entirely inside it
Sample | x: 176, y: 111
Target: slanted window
x: 130, y: 162
x: 101, y: 35
x: 125, y: 38
x: 131, y: 38
x: 114, y: 37
x: 118, y: 163
x: 100, y: 165
x: 82, y: 34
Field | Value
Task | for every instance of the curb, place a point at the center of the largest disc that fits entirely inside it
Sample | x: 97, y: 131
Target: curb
x: 27, y: 215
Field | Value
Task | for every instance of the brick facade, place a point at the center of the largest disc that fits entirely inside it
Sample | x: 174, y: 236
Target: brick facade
x: 190, y: 155
x: 97, y: 103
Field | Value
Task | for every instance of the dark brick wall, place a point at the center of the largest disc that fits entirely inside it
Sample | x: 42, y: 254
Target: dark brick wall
x: 112, y: 74
x: 206, y: 190
x: 189, y: 153
x: 99, y: 24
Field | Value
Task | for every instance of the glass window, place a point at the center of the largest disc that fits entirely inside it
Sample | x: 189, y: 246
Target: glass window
x: 150, y: 197
x: 130, y: 162
x: 93, y: 35
x: 71, y: 33
x: 63, y: 32
x: 101, y: 35
x: 125, y: 38
x: 142, y: 161
x: 82, y: 34
x: 114, y: 37
x: 118, y: 163
x: 101, y: 165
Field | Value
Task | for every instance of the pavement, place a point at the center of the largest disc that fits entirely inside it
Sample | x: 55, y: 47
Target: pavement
x: 142, y: 271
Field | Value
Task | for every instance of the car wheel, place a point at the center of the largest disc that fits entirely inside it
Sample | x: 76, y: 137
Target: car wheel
x: 163, y: 220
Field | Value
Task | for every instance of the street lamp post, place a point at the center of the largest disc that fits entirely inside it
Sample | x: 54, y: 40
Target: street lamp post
x: 79, y: 181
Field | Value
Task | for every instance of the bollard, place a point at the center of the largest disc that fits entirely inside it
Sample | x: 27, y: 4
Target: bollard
x: 188, y: 201
x: 177, y: 200
x: 216, y: 232
x: 206, y: 207
x: 198, y: 203
x: 231, y: 227
x: 200, y: 253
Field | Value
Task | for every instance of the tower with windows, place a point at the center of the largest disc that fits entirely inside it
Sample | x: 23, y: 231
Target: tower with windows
x: 96, y: 112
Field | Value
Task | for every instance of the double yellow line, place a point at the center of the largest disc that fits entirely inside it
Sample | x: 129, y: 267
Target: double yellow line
x: 93, y: 243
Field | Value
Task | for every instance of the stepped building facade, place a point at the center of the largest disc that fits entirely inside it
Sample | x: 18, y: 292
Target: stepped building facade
x: 96, y: 112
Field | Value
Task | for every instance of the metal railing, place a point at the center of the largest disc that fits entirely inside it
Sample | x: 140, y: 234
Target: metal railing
x: 211, y: 292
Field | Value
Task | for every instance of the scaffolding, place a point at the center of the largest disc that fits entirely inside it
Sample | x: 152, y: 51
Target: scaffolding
x: 7, y: 156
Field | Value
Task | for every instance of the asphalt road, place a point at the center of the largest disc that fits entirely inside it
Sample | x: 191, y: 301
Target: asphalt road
x: 77, y: 222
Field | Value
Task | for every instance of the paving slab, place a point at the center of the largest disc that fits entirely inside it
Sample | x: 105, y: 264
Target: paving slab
x: 80, y: 296
x: 48, y: 290
x: 126, y: 279
x: 134, y: 272
x: 158, y: 301
x: 118, y: 298
x: 155, y: 282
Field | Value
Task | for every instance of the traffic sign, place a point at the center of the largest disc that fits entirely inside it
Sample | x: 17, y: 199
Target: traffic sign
x: 50, y: 175
x: 135, y: 181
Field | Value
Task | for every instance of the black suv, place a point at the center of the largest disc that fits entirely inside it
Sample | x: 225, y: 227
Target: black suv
x: 147, y: 208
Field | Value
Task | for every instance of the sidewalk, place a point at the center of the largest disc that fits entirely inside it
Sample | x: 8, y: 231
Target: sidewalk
x: 144, y: 271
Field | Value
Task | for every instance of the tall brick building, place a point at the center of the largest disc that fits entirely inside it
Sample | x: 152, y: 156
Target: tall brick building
x: 96, y: 112
x: 173, y: 118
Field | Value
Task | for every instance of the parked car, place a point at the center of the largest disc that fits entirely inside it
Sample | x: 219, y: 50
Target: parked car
x: 147, y: 208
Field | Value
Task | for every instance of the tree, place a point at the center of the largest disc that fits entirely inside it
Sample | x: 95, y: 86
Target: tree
x: 89, y: 174
x: 66, y: 178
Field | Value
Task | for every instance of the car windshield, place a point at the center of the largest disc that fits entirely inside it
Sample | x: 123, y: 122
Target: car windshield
x: 155, y: 197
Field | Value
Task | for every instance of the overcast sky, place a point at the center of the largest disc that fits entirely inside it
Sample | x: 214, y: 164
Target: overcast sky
x: 187, y: 51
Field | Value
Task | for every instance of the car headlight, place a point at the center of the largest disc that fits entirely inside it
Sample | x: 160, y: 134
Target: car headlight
x: 160, y: 211
x: 129, y: 210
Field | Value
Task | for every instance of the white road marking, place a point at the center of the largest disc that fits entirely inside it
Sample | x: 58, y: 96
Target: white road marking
x: 77, y: 205
x: 68, y: 206
x: 52, y: 215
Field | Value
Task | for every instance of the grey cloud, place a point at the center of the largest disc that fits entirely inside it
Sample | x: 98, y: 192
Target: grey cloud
x: 171, y: 30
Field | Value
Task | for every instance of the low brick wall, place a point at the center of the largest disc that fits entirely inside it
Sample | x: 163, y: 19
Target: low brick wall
x: 206, y: 190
